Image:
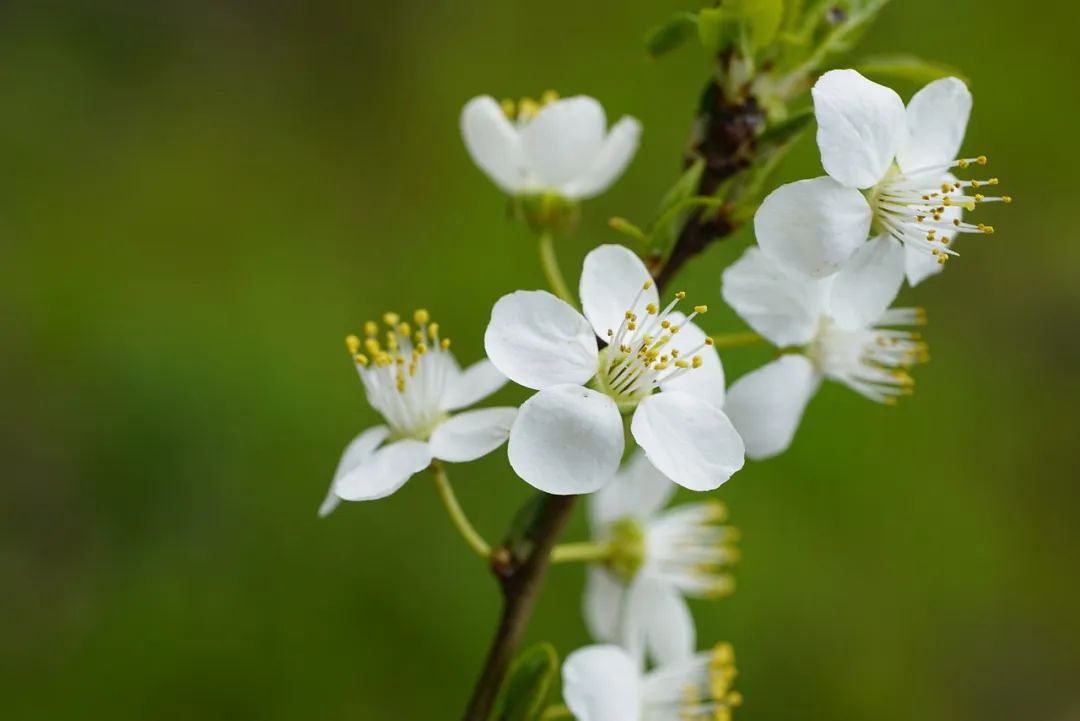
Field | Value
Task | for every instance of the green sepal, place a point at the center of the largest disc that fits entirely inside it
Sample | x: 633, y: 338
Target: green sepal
x: 670, y: 34
x: 524, y: 693
x: 669, y: 219
x: 907, y: 67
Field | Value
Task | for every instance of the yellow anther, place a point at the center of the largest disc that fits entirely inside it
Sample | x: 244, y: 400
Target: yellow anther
x: 710, y: 341
x: 433, y: 331
x: 528, y: 108
x: 681, y: 364
x: 988, y: 229
x: 353, y: 344
x: 445, y: 343
x: 920, y: 218
x: 371, y: 329
x: 946, y: 187
x: 631, y: 325
x: 930, y: 235
x: 665, y: 324
x: 697, y: 361
x: 391, y: 340
x: 699, y: 309
x: 680, y: 295
x: 421, y: 316
x: 647, y: 285
x: 1006, y: 199
x: 508, y: 107
x: 975, y: 183
x: 361, y: 359
x: 628, y: 315
x: 979, y: 197
x: 391, y: 319
x: 404, y: 329
x: 962, y: 163
x: 946, y: 201
x: 610, y: 333
x: 372, y: 346
x: 549, y: 96
x: 675, y: 329
x: 992, y: 181
x: 981, y: 160
x: 956, y: 222
x: 651, y: 309
x: 421, y: 349
x: 674, y: 352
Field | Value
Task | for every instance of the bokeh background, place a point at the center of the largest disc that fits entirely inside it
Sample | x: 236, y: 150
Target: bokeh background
x: 200, y: 199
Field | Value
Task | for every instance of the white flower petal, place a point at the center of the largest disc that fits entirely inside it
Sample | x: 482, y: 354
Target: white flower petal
x: 610, y: 161
x: 472, y: 434
x: 472, y: 385
x: 567, y: 440
x: 658, y: 622
x: 782, y: 305
x: 612, y: 278
x: 767, y: 404
x: 602, y: 604
x: 358, y: 451
x: 563, y: 139
x: 539, y: 341
x: 384, y: 472
x: 638, y: 491
x: 493, y: 143
x: 860, y: 127
x: 868, y: 284
x: 706, y: 381
x: 688, y: 439
x: 937, y: 118
x: 813, y: 226
x: 601, y: 683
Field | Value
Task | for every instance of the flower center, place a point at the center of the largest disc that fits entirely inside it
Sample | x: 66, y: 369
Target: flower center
x: 689, y: 548
x: 627, y: 548
x: 872, y: 361
x: 404, y: 371
x: 696, y: 690
x: 922, y: 208
x: 645, y: 351
x: 525, y: 109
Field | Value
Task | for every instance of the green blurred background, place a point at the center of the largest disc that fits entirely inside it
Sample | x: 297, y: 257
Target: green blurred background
x: 200, y: 199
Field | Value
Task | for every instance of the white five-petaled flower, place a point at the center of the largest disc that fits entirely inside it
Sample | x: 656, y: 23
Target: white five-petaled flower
x: 412, y: 379
x: 657, y: 556
x: 606, y: 683
x: 842, y: 323
x: 568, y: 438
x: 561, y: 147
x: 888, y: 176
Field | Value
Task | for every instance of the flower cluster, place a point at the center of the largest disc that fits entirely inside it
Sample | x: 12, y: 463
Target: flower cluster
x: 636, y: 367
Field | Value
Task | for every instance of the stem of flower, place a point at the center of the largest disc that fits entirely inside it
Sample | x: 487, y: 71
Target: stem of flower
x: 550, y: 263
x: 457, y: 513
x: 584, y: 552
x: 555, y: 712
x: 738, y: 340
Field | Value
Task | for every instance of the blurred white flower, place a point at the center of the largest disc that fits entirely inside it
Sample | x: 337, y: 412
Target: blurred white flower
x: 888, y: 176
x: 658, y: 556
x: 568, y: 438
x: 557, y: 146
x: 841, y: 324
x: 605, y: 683
x: 412, y: 379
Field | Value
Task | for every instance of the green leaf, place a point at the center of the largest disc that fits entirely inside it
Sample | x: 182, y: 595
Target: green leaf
x: 669, y: 220
x: 525, y: 691
x: 670, y: 34
x: 907, y: 67
x: 754, y: 23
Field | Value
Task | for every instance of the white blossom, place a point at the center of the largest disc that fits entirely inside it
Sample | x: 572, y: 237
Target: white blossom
x: 888, y: 176
x: 558, y: 146
x: 657, y: 557
x: 842, y: 328
x: 568, y: 437
x: 412, y: 379
x: 606, y: 683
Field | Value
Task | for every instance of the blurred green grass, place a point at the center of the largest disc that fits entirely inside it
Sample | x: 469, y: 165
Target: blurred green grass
x: 201, y: 199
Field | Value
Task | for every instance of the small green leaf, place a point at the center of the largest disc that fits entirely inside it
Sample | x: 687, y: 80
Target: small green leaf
x: 670, y: 34
x: 525, y: 691
x: 907, y: 67
x: 754, y: 23
x: 665, y: 229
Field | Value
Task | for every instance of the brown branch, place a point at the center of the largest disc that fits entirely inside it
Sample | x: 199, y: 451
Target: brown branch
x: 724, y: 137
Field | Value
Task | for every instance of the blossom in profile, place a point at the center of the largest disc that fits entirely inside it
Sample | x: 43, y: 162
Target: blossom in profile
x: 414, y: 382
x: 889, y: 175
x: 654, y: 364
x: 657, y: 557
x: 607, y: 683
x: 558, y: 146
x: 840, y: 328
